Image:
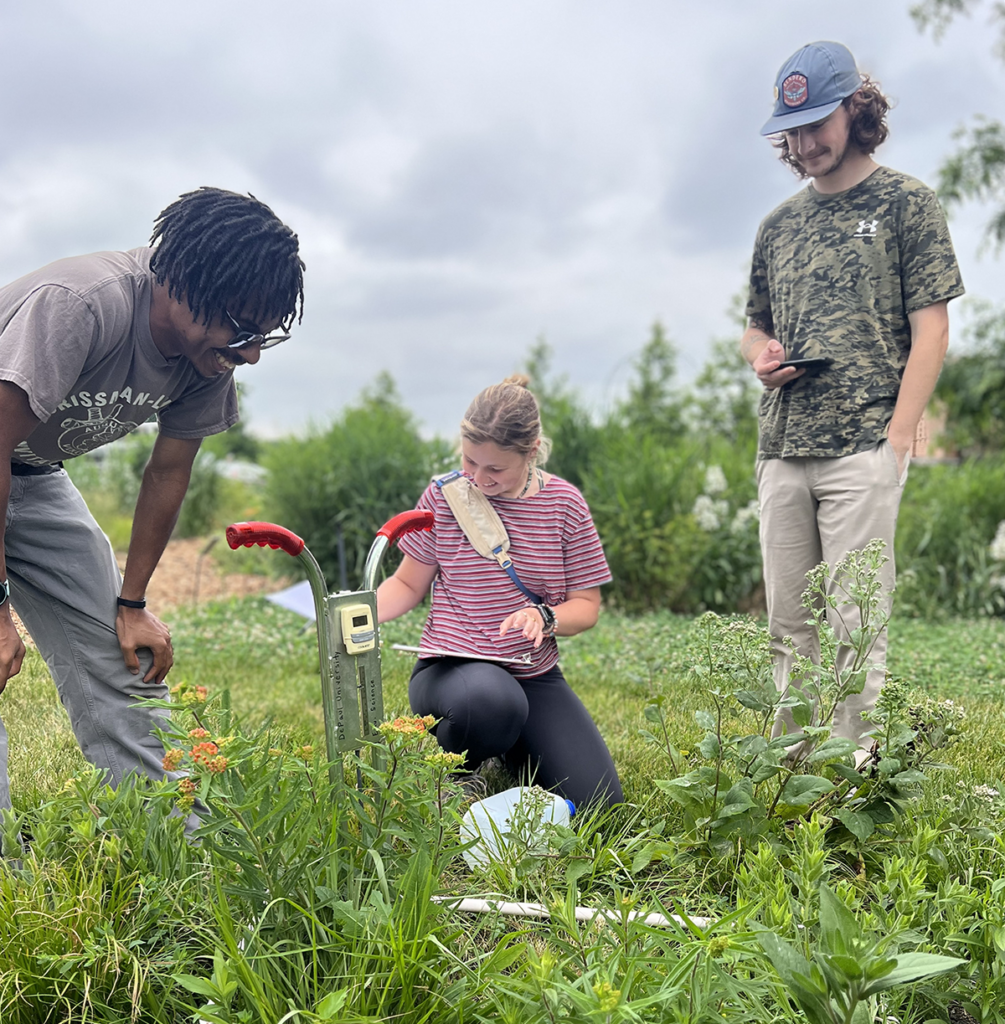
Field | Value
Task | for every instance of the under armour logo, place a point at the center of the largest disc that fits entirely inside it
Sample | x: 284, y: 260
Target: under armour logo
x: 866, y: 229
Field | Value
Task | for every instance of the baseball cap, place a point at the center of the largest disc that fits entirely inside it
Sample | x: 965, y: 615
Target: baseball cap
x: 811, y: 84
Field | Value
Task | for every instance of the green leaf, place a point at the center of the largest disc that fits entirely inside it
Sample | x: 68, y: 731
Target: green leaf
x: 786, y: 959
x: 844, y: 772
x: 839, y: 931
x: 753, y: 700
x: 737, y: 800
x: 575, y: 870
x: 200, y: 986
x: 643, y: 858
x: 787, y: 740
x: 332, y: 1004
x: 832, y: 749
x: 709, y: 747
x: 913, y: 967
x: 705, y: 719
x: 846, y: 965
x: 764, y: 770
x: 859, y: 824
x: 802, y: 790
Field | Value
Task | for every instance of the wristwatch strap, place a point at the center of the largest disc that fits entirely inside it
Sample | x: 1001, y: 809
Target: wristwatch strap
x: 4, y: 592
x: 123, y: 602
x: 547, y: 617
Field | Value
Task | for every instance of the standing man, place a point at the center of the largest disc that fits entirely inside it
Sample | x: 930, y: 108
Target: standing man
x: 857, y: 268
x: 90, y: 348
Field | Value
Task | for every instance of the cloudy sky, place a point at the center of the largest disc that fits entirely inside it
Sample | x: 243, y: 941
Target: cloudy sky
x: 465, y: 176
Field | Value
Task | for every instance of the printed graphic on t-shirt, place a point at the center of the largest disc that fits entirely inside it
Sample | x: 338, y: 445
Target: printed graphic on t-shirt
x: 81, y: 435
x: 94, y: 421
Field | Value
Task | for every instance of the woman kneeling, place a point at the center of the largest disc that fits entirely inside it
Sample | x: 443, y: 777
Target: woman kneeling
x: 519, y: 707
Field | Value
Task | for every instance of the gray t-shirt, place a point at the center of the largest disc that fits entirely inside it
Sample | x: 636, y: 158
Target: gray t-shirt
x: 75, y: 337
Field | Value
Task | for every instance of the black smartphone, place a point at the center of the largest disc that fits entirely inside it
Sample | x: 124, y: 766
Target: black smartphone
x: 814, y: 362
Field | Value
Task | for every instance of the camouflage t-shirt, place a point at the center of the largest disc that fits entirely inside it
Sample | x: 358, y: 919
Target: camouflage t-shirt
x: 837, y: 276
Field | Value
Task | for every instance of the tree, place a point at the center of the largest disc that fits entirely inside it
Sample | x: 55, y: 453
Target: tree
x: 723, y: 400
x: 977, y: 169
x: 653, y: 407
x: 564, y: 418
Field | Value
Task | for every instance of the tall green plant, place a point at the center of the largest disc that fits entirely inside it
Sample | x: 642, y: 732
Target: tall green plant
x: 948, y: 521
x: 367, y: 466
x: 575, y: 437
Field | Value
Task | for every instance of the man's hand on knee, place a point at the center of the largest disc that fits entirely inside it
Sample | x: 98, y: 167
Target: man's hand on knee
x: 11, y: 648
x: 138, y: 628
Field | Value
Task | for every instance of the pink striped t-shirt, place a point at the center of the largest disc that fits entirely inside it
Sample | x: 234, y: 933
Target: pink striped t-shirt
x: 554, y: 547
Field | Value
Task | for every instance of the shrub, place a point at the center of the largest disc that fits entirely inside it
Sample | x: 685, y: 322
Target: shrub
x: 948, y: 520
x: 368, y: 465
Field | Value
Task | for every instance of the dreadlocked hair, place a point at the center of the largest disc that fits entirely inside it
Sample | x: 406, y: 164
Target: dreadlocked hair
x: 867, y: 131
x: 220, y: 251
x: 507, y: 415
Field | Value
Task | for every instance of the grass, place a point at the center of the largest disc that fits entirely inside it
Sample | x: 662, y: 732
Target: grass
x: 263, y: 659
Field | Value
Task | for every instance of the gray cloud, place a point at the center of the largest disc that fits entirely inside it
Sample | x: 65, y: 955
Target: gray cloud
x: 463, y: 177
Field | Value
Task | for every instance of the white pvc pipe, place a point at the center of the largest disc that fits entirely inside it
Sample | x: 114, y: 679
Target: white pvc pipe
x: 468, y: 905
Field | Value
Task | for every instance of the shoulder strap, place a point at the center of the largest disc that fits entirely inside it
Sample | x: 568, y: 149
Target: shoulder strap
x: 481, y: 525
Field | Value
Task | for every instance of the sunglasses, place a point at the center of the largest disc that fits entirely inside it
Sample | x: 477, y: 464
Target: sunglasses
x: 243, y: 337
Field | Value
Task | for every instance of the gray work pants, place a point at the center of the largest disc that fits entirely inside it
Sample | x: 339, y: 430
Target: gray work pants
x: 64, y: 581
x: 815, y: 510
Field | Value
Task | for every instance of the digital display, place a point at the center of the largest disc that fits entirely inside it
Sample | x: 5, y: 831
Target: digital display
x: 361, y: 620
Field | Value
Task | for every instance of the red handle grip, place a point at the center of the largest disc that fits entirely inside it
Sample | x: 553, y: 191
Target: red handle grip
x: 246, y: 534
x: 406, y: 522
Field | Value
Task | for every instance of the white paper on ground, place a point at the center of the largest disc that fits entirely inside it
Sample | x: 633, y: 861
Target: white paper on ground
x: 297, y: 598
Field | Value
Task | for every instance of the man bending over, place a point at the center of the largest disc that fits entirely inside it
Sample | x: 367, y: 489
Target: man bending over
x: 90, y: 348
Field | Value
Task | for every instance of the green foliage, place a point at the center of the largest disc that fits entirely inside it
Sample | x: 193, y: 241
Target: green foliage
x: 848, y: 968
x: 977, y: 169
x: 972, y: 386
x: 367, y: 466
x: 574, y: 435
x: 110, y: 484
x: 750, y: 778
x: 676, y: 521
x: 280, y: 910
x: 652, y: 407
x: 948, y: 520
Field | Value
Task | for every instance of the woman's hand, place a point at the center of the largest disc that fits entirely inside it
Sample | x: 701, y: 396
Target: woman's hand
x: 529, y: 620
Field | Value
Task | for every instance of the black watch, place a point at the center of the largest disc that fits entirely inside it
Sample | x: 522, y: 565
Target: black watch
x: 547, y: 617
x: 4, y: 592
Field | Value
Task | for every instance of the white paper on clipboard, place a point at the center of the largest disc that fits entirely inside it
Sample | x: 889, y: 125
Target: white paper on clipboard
x: 426, y: 652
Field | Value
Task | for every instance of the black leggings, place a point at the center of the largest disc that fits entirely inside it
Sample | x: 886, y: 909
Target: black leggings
x: 538, y: 725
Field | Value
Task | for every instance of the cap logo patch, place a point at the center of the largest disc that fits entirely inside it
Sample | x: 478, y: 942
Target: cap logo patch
x: 795, y: 91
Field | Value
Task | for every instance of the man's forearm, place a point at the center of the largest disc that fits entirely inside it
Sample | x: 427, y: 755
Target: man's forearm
x: 753, y: 342
x: 930, y: 338
x: 161, y: 495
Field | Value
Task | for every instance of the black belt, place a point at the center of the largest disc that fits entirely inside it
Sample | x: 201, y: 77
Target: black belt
x: 23, y: 469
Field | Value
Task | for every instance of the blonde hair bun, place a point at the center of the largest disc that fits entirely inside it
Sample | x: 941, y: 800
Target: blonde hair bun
x: 507, y: 415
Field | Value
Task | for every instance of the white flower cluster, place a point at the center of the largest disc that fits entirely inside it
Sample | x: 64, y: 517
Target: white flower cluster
x: 715, y: 481
x: 750, y: 513
x: 709, y: 512
x: 997, y: 549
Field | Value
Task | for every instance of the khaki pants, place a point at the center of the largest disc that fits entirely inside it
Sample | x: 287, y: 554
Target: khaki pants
x: 814, y: 510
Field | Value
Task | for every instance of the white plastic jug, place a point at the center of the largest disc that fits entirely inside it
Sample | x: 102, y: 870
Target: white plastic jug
x: 511, y: 822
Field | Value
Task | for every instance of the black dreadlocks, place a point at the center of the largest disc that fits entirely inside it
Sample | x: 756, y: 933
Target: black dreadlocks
x: 223, y: 251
